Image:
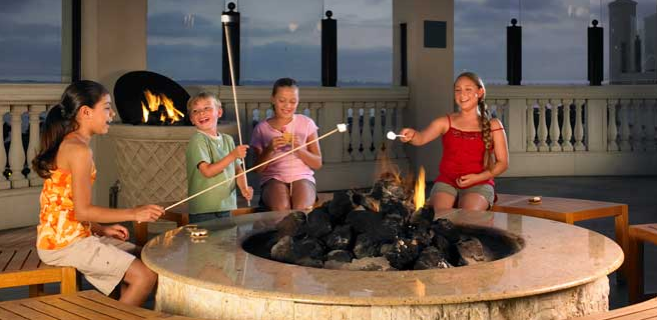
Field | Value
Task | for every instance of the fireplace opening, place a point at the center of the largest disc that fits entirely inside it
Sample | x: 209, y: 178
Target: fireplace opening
x: 144, y: 97
x: 385, y: 229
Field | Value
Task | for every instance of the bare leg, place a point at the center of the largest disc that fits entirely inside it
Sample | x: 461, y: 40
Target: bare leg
x: 442, y: 200
x: 304, y: 194
x: 276, y: 195
x: 140, y: 282
x: 473, y: 201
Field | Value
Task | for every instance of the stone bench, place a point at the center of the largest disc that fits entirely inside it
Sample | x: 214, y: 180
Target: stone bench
x: 638, y: 235
x: 640, y: 311
x: 570, y: 211
x: 21, y: 266
x: 77, y: 306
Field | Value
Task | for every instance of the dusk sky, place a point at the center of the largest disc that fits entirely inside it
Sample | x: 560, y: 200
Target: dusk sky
x: 282, y: 38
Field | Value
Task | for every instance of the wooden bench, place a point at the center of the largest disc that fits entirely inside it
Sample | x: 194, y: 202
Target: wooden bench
x: 22, y: 267
x: 638, y: 235
x: 569, y: 211
x: 77, y: 306
x: 640, y: 311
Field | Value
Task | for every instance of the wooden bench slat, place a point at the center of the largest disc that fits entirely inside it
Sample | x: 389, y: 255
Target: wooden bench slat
x: 16, y: 307
x: 75, y: 309
x: 634, y: 311
x: 23, y: 278
x: 50, y: 310
x: 5, y: 257
x: 8, y: 315
x: 17, y: 261
x: 101, y: 308
x: 98, y: 297
x: 33, y: 261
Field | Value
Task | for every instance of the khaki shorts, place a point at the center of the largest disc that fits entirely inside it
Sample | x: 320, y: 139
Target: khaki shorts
x: 486, y: 190
x: 99, y: 259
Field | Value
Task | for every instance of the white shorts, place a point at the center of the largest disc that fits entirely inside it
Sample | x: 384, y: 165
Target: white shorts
x: 100, y: 260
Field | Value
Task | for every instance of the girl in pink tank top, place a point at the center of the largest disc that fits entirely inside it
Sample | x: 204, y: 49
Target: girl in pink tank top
x: 474, y: 149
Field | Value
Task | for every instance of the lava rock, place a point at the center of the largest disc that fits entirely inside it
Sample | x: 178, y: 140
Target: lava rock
x: 403, y: 254
x: 308, y: 247
x: 394, y: 207
x: 423, y: 218
x: 318, y: 223
x: 339, y: 207
x: 445, y: 228
x: 431, y: 258
x: 366, y: 201
x: 283, y: 250
x: 339, y: 256
x: 472, y: 251
x: 310, y: 262
x: 292, y: 225
x: 366, y: 246
x: 340, y: 239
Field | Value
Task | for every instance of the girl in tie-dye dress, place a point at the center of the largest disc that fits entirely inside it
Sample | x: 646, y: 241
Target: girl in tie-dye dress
x: 69, y: 231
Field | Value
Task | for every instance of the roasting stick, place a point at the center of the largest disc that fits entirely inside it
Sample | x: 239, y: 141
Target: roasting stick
x: 341, y: 127
x: 225, y: 19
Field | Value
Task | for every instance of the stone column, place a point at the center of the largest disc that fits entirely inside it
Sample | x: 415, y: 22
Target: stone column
x: 430, y: 71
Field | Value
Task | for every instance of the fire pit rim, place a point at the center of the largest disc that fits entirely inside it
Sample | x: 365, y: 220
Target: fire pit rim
x: 155, y: 253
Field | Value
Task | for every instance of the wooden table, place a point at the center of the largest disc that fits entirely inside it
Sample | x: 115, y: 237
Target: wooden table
x: 569, y: 211
x: 639, y: 234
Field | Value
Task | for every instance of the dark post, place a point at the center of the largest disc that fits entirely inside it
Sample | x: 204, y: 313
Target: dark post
x: 76, y: 67
x: 329, y: 51
x: 595, y: 54
x: 231, y: 21
x: 514, y: 53
x: 403, y: 55
x: 637, y: 54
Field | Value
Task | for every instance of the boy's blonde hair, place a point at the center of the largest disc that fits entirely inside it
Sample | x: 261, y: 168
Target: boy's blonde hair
x: 201, y: 96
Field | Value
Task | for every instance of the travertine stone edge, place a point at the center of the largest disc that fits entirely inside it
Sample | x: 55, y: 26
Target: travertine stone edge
x: 183, y: 299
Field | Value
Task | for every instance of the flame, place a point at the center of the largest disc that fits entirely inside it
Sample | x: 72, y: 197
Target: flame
x: 418, y: 196
x: 154, y: 102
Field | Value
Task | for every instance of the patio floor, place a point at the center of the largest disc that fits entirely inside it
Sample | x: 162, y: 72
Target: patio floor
x: 637, y: 192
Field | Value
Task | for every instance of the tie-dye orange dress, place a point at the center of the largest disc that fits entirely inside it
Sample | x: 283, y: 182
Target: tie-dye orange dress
x: 58, y: 226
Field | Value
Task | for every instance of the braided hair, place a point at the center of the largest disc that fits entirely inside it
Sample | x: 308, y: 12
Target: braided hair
x: 484, y: 118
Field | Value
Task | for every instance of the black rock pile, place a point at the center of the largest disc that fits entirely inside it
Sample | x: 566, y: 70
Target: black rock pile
x: 379, y: 230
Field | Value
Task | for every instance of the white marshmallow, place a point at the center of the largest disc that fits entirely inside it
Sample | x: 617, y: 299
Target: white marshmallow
x: 391, y: 135
x: 342, y: 127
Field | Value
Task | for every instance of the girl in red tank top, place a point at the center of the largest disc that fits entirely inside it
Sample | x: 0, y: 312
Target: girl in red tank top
x: 474, y: 149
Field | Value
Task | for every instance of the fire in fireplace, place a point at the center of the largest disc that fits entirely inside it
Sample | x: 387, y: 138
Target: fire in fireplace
x: 144, y: 97
x: 387, y: 228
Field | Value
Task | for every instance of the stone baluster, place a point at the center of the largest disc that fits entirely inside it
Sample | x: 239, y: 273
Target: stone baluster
x: 555, y: 132
x: 252, y: 115
x: 347, y: 145
x: 302, y: 107
x: 34, y: 143
x: 625, y: 125
x: 368, y: 151
x: 542, y: 127
x: 566, y: 129
x: 579, y: 128
x: 358, y: 132
x: 389, y: 145
x: 638, y: 137
x: 531, y: 130
x: 651, y: 113
x: 16, y: 152
x: 612, y: 132
x: 4, y: 184
x: 378, y: 129
x: 399, y: 124
x: 314, y: 112
x: 328, y: 115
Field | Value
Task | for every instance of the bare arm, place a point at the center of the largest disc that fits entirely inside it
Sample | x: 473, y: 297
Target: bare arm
x: 78, y: 159
x: 501, y: 152
x: 210, y: 170
x: 311, y: 155
x: 418, y: 138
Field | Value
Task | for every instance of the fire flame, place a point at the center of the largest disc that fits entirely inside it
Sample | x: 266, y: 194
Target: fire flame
x: 418, y: 196
x: 154, y: 101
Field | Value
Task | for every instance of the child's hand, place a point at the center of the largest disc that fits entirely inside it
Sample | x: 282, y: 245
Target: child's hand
x: 407, y: 134
x: 116, y: 231
x: 147, y: 213
x: 240, y: 151
x: 277, y: 143
x: 467, y: 180
x: 247, y: 193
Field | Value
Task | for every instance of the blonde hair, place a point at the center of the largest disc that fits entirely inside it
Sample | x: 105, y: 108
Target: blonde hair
x: 201, y: 96
x: 484, y: 117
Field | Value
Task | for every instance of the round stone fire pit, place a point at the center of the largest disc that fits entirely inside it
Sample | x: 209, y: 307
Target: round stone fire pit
x: 560, y: 272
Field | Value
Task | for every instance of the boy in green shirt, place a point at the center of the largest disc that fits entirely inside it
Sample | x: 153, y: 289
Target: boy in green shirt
x: 212, y: 158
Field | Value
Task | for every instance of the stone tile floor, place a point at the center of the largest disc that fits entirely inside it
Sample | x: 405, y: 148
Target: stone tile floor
x: 638, y: 192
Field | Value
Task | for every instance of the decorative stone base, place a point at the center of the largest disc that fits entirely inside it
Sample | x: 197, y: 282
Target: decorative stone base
x: 189, y: 300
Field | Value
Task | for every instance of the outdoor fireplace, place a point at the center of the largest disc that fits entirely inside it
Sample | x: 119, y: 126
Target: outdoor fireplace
x: 151, y: 141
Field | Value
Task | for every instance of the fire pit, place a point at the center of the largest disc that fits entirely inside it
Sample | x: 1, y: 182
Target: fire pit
x: 560, y: 272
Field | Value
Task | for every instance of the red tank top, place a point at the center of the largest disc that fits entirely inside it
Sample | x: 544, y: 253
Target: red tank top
x: 463, y: 153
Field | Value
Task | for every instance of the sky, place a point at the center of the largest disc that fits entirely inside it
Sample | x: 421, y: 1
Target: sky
x: 282, y: 38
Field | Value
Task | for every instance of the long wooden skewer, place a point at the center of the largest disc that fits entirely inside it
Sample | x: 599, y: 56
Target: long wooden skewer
x: 342, y: 127
x: 232, y: 82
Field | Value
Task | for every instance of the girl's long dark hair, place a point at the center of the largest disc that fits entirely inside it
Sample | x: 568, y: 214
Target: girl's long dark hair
x: 60, y: 121
x: 484, y: 118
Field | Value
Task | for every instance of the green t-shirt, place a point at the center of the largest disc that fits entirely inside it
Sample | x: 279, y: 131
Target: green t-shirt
x: 204, y: 148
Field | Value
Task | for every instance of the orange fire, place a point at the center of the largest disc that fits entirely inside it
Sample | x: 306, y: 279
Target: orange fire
x: 154, y: 102
x: 418, y: 196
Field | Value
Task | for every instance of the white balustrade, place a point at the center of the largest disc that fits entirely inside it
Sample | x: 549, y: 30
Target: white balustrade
x: 612, y: 131
x: 555, y: 132
x: 579, y: 128
x: 566, y: 128
x: 4, y: 183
